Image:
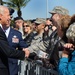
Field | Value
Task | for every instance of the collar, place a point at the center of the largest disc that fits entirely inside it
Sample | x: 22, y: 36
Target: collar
x: 1, y: 26
x: 7, y: 31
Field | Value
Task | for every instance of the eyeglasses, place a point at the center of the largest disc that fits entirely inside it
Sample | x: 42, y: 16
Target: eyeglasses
x: 26, y: 26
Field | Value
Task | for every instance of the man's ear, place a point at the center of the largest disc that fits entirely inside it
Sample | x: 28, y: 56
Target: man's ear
x: 43, y: 25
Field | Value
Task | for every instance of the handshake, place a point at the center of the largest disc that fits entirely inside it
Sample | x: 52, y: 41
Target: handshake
x: 27, y: 52
x: 40, y: 53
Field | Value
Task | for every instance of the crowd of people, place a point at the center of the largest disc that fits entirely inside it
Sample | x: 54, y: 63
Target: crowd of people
x: 50, y: 40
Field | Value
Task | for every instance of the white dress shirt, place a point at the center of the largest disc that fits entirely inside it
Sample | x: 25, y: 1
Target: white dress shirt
x: 7, y: 32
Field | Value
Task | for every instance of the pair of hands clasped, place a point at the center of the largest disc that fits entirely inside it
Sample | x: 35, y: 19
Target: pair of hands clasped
x: 68, y: 47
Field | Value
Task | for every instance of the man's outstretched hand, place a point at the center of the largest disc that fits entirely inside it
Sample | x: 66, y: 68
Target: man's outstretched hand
x: 27, y: 52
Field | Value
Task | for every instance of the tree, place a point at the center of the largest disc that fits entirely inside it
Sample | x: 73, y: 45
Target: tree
x: 1, y: 2
x: 17, y: 4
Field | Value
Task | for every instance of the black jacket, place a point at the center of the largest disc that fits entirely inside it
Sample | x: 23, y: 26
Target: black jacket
x: 6, y: 51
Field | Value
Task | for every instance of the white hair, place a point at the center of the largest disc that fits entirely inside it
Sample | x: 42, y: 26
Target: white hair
x: 70, y: 33
x: 2, y: 9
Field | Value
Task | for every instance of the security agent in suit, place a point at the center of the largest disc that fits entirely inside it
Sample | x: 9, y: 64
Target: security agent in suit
x: 5, y: 50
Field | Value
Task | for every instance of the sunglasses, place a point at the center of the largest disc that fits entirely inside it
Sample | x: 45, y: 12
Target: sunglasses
x: 26, y: 26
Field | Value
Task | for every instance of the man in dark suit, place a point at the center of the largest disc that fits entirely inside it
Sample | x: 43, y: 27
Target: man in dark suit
x: 5, y: 50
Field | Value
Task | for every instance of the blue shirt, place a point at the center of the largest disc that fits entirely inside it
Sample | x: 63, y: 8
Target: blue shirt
x: 66, y: 67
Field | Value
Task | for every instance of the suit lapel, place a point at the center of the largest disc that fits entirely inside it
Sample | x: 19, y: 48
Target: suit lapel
x: 2, y: 34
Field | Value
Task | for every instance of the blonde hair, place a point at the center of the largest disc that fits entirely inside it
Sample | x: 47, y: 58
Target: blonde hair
x: 28, y: 23
x: 64, y: 22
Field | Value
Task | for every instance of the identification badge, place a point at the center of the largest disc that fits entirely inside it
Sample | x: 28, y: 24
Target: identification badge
x: 15, y: 39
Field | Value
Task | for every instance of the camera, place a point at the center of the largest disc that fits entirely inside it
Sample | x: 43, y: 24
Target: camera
x: 42, y: 54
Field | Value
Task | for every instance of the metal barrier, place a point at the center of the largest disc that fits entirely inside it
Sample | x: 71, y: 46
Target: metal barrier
x: 28, y: 67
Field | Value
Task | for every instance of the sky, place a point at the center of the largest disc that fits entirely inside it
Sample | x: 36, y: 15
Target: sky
x: 40, y: 8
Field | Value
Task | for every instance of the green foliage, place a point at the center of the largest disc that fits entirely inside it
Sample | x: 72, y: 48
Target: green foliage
x: 1, y: 2
x: 17, y: 4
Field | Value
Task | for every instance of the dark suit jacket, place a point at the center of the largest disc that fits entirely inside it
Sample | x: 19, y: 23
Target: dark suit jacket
x: 15, y: 44
x: 6, y: 51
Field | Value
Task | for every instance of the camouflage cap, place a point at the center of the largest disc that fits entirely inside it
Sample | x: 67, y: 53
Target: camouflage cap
x: 70, y: 33
x: 59, y: 10
x: 40, y: 20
